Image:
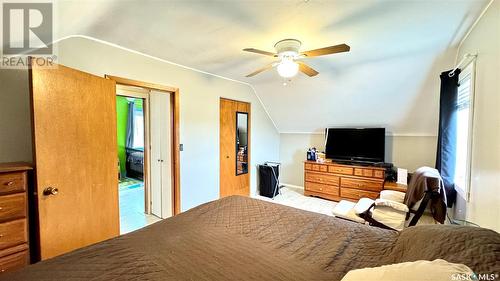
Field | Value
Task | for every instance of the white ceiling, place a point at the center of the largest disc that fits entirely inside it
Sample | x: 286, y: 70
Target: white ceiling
x: 390, y: 77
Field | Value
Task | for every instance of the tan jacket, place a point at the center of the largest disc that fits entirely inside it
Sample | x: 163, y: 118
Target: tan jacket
x: 419, y: 185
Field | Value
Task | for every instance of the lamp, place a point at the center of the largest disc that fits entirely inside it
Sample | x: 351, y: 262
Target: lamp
x: 287, y: 68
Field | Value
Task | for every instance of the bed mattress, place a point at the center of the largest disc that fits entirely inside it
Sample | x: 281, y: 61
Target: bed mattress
x: 239, y: 238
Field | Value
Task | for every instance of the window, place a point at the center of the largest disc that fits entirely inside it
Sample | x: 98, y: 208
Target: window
x: 138, y: 128
x: 465, y: 115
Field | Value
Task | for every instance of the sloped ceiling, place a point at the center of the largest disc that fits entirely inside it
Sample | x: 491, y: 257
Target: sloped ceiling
x: 390, y: 77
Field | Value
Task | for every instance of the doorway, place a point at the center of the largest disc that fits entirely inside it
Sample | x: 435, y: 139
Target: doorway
x: 133, y: 132
x: 235, y: 146
x: 145, y: 145
x: 162, y: 145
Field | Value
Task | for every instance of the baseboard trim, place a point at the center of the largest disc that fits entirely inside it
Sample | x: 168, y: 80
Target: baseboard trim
x: 292, y: 185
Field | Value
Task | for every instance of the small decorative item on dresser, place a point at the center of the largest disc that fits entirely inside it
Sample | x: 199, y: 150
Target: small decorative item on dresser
x: 311, y: 154
x: 320, y: 157
x: 14, y: 244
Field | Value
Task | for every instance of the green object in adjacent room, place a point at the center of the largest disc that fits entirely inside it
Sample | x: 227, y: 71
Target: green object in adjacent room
x: 121, y: 130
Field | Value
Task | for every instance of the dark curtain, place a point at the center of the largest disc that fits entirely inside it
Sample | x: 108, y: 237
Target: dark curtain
x: 447, y: 135
x: 130, y: 125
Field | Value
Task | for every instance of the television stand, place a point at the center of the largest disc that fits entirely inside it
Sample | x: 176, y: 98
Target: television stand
x: 336, y: 181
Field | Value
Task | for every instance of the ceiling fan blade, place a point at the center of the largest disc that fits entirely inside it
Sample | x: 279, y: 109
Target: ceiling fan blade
x: 327, y: 50
x: 267, y: 67
x: 257, y: 51
x: 306, y: 69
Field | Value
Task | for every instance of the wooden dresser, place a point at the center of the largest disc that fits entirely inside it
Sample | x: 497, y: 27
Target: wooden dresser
x: 14, y: 246
x: 336, y: 182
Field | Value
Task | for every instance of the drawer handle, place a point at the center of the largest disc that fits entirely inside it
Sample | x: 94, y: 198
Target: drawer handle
x: 9, y: 183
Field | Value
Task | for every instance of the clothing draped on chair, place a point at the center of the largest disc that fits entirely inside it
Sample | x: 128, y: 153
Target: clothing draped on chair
x: 447, y: 135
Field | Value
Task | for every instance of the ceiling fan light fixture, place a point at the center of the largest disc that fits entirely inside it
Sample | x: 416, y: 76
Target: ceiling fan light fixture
x: 287, y: 68
x: 289, y: 55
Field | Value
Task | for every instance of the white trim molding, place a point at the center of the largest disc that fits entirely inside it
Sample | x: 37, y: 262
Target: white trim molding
x: 292, y: 185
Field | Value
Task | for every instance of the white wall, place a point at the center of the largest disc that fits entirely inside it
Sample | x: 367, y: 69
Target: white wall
x: 15, y: 120
x: 293, y: 149
x: 484, y: 205
x: 412, y: 139
x: 409, y: 152
x: 199, y: 103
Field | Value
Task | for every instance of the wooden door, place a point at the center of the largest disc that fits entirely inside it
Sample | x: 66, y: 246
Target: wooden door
x: 230, y: 182
x: 161, y: 151
x: 74, y: 130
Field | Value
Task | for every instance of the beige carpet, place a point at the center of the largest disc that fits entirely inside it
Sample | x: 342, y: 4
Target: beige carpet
x: 294, y: 197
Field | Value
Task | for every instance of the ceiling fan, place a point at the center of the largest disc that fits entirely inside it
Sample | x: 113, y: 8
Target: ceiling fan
x: 289, y: 64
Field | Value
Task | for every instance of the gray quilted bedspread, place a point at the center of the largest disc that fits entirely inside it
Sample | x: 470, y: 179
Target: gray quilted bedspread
x: 238, y: 238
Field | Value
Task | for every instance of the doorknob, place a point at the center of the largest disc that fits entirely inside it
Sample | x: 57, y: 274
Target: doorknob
x: 50, y: 191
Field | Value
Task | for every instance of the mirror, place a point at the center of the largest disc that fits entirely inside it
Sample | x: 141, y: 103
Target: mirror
x: 241, y: 143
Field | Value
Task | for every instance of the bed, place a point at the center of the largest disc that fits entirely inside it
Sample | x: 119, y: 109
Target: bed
x: 239, y: 238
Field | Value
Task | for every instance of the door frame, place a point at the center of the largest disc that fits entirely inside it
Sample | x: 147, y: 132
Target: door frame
x: 140, y: 93
x: 175, y: 125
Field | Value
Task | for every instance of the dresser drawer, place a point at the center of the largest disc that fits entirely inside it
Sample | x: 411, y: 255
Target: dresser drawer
x: 12, y: 207
x: 363, y: 172
x: 357, y: 194
x: 378, y: 174
x: 13, y: 233
x: 315, y: 167
x: 14, y: 261
x: 322, y: 178
x: 322, y: 188
x: 361, y: 184
x: 308, y: 166
x: 340, y: 170
x: 12, y: 182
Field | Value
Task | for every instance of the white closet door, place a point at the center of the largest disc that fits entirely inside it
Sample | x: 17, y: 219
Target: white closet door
x: 161, y: 166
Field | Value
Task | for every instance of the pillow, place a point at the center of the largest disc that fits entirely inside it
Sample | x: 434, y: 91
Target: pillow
x: 363, y: 205
x: 393, y: 204
x: 393, y: 195
x: 345, y: 209
x: 390, y: 217
x: 436, y: 270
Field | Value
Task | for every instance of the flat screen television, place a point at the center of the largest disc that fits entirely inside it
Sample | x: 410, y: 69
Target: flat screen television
x: 355, y: 144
